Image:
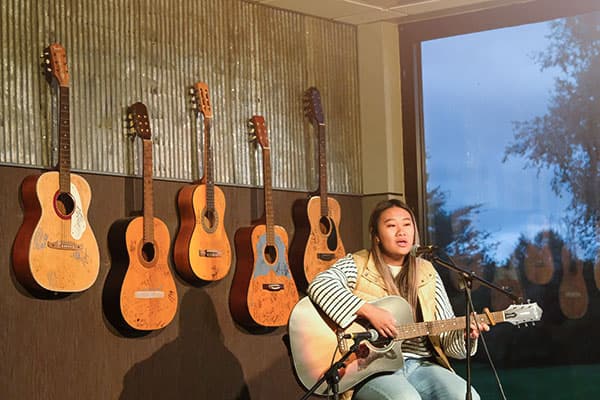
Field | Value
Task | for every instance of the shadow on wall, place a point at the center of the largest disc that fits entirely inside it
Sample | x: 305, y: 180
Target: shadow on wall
x: 196, y: 365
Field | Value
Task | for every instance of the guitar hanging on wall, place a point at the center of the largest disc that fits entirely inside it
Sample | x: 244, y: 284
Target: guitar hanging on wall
x: 147, y: 294
x: 263, y: 291
x: 317, y: 242
x: 202, y: 251
x: 539, y: 265
x: 55, y: 249
x: 508, y: 279
x: 470, y: 263
x: 572, y: 291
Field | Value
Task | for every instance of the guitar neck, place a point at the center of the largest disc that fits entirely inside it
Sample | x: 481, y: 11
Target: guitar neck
x: 208, y: 166
x: 320, y: 129
x: 418, y: 329
x: 268, y: 196
x: 148, y: 192
x: 64, y: 140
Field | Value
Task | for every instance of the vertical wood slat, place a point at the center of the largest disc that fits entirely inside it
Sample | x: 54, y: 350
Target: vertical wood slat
x: 255, y: 59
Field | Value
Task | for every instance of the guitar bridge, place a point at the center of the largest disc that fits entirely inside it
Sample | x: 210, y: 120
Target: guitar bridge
x: 149, y: 294
x: 210, y: 253
x: 325, y: 256
x: 60, y: 245
x: 273, y: 287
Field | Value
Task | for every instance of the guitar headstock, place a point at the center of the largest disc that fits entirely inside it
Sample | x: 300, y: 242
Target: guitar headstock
x: 312, y: 105
x: 259, y: 129
x: 55, y: 64
x: 202, y: 99
x: 518, y: 314
x: 139, y: 122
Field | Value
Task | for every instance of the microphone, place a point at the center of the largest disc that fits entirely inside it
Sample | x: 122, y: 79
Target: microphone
x: 416, y: 251
x: 371, y: 335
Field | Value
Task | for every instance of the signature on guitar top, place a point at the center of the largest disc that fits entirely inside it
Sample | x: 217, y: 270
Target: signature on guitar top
x: 55, y: 249
x: 263, y: 291
x: 202, y: 251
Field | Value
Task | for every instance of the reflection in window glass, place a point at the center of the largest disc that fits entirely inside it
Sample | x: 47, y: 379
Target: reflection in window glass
x: 512, y: 139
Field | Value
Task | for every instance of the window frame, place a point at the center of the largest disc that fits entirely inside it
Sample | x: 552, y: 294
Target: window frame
x: 410, y: 37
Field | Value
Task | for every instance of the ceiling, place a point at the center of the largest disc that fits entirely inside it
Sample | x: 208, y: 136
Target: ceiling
x: 395, y: 11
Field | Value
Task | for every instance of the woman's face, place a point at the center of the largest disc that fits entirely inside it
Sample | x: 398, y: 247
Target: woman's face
x: 396, y: 234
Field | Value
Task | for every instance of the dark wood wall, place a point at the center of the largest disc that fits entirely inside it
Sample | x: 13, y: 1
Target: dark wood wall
x: 65, y: 348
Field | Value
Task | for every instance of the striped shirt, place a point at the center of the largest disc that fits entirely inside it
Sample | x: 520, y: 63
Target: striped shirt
x: 332, y: 290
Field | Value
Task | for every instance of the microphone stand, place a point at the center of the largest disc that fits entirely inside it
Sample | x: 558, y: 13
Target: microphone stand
x: 468, y: 277
x: 332, y: 375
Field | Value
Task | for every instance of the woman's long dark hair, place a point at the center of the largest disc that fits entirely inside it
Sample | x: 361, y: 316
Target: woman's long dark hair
x: 405, y: 283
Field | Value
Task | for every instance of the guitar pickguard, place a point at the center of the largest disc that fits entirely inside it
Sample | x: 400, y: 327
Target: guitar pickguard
x: 78, y: 221
x: 262, y: 267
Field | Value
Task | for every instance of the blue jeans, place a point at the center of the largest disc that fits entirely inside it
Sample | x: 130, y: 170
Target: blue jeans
x: 417, y: 380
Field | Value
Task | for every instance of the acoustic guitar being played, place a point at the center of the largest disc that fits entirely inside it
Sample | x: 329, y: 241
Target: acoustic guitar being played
x: 202, y: 251
x: 147, y: 295
x: 263, y: 291
x: 316, y: 343
x: 317, y: 241
x: 55, y: 249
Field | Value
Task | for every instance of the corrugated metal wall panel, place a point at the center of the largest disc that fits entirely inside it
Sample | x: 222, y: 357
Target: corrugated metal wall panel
x: 255, y: 59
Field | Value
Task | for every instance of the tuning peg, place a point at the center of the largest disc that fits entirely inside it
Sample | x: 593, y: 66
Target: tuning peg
x: 251, y: 127
x: 251, y: 137
x: 129, y: 126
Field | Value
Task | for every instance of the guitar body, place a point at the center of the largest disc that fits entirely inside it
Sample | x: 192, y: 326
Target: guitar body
x: 201, y: 250
x: 317, y: 243
x: 539, y: 266
x: 148, y: 296
x: 55, y: 249
x: 315, y: 345
x: 572, y: 291
x: 263, y: 291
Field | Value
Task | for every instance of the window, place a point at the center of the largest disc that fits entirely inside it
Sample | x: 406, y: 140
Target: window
x: 508, y: 179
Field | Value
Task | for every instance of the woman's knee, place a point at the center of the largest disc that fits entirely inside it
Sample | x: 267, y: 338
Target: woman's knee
x: 456, y: 393
x: 386, y: 390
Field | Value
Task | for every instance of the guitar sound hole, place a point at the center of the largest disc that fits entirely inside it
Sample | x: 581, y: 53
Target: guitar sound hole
x: 325, y: 225
x: 148, y: 252
x: 210, y: 219
x: 270, y: 254
x: 65, y: 205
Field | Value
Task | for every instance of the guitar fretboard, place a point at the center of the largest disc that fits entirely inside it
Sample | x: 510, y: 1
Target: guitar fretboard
x: 320, y: 129
x: 208, y: 167
x: 268, y: 196
x: 64, y: 140
x: 148, y: 192
x: 410, y: 331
